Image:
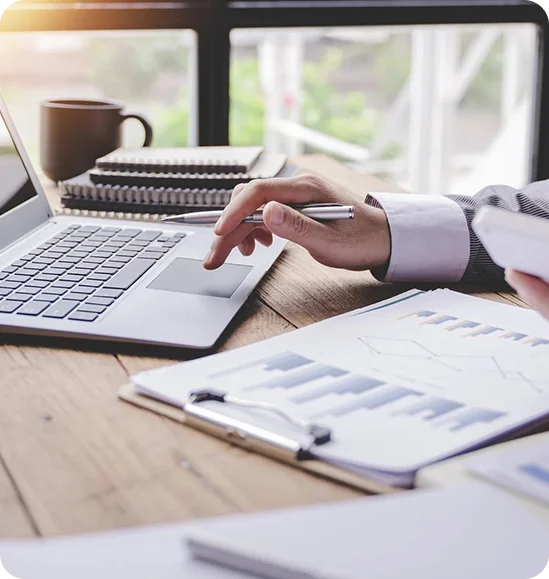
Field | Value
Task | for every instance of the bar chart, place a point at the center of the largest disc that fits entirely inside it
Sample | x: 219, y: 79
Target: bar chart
x: 283, y: 362
x: 453, y: 324
x: 350, y: 384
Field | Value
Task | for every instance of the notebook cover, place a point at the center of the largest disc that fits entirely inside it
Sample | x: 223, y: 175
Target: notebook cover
x: 266, y: 167
x: 182, y: 159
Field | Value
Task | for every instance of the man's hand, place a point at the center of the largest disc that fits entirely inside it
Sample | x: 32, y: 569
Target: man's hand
x: 531, y: 289
x: 357, y: 244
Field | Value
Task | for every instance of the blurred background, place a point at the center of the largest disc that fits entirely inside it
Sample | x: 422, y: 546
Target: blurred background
x: 438, y: 109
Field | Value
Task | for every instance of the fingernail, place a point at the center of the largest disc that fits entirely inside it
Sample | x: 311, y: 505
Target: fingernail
x: 277, y: 214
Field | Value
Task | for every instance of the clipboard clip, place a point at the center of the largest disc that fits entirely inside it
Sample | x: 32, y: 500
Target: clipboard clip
x: 249, y: 435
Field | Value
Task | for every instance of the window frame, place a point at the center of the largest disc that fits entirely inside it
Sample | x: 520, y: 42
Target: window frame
x: 213, y: 21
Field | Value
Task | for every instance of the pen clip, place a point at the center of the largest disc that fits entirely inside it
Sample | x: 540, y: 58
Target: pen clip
x: 249, y: 435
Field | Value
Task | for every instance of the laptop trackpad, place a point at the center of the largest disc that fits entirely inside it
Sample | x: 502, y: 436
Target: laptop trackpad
x: 187, y: 276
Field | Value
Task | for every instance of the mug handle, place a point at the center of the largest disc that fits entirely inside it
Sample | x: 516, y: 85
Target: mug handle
x: 146, y: 125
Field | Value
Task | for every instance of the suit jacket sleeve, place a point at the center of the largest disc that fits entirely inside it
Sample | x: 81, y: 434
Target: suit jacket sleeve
x: 432, y: 239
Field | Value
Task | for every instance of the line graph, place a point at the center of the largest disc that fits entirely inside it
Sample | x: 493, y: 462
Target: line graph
x: 416, y: 361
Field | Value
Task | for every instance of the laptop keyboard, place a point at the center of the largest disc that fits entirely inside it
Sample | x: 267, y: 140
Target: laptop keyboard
x: 81, y: 272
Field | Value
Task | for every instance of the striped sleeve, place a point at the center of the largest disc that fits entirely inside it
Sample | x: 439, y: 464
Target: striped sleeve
x: 532, y: 200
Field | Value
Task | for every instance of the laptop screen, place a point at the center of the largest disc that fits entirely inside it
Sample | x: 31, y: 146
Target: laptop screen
x: 15, y: 184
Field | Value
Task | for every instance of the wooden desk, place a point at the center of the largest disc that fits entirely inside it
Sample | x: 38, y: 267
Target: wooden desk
x: 73, y: 458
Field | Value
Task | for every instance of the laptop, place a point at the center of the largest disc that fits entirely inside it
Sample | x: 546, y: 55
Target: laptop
x: 104, y: 279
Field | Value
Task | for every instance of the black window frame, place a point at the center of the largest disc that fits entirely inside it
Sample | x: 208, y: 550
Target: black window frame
x: 213, y: 21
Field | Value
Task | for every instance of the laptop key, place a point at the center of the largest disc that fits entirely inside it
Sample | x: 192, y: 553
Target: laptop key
x: 81, y: 271
x: 18, y: 263
x: 4, y: 291
x: 113, y: 229
x: 64, y: 265
x: 60, y: 309
x: 129, y: 232
x: 100, y: 301
x: 99, y: 277
x: 121, y: 258
x: 89, y: 228
x: 129, y: 274
x: 88, y: 264
x: 41, y: 260
x: 113, y: 264
x: 80, y: 316
x: 9, y: 269
x: 75, y: 297
x: 33, y: 308
x: 108, y: 293
x: 103, y: 254
x: 37, y: 283
x: 78, y: 254
x: 47, y: 298
x: 106, y: 270
x: 56, y: 291
x: 85, y: 290
x: 8, y: 306
x: 93, y: 283
x: 20, y: 297
x: 19, y: 278
x: 36, y: 266
x: 95, y: 259
x: 10, y: 285
x: 64, y: 284
x: 3, y: 275
x: 71, y: 277
x: 149, y: 235
x: 87, y: 307
x: 46, y: 277
x: 29, y: 290
x: 127, y: 253
x: 54, y: 271
x: 150, y: 255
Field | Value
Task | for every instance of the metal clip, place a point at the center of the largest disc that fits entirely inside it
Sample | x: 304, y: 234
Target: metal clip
x: 249, y: 435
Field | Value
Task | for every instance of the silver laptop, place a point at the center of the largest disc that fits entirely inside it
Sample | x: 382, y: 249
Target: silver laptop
x: 109, y: 280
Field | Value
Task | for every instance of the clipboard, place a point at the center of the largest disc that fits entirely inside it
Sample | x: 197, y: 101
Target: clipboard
x: 249, y: 437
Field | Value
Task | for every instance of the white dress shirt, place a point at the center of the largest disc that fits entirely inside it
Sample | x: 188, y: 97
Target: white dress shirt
x: 429, y: 237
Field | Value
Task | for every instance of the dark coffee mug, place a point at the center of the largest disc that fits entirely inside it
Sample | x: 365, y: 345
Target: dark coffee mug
x: 74, y: 133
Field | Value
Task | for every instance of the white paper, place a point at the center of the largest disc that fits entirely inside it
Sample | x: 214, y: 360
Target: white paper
x: 471, y: 531
x: 142, y: 553
x: 422, y: 379
x: 523, y: 470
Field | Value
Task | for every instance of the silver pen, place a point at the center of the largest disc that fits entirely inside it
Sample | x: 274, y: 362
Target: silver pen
x: 318, y: 212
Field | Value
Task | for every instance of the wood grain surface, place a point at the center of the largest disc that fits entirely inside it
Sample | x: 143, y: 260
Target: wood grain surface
x: 73, y: 458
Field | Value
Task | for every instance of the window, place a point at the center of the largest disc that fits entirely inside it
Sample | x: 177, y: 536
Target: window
x: 438, y: 109
x: 152, y: 72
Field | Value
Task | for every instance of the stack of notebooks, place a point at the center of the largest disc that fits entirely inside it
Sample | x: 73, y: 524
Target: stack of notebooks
x: 166, y: 181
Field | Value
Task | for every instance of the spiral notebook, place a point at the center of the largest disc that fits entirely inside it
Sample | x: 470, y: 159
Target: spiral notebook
x: 182, y: 159
x: 146, y: 194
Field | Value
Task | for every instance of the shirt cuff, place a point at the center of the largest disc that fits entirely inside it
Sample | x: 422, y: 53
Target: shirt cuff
x: 429, y: 238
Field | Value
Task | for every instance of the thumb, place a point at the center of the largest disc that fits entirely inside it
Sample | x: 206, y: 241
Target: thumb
x: 292, y: 225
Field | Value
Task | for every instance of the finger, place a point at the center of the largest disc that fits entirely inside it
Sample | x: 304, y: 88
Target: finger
x: 294, y: 226
x: 257, y: 193
x: 263, y: 236
x: 532, y: 289
x: 238, y: 188
x: 247, y: 246
x: 222, y: 246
